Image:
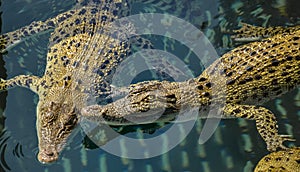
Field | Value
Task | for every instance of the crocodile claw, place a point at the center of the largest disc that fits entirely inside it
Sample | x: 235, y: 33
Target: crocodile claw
x: 277, y: 142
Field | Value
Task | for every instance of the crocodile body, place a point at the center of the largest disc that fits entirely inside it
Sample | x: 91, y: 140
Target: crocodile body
x: 62, y: 90
x: 284, y: 160
x: 78, y: 53
x: 85, y: 46
x: 242, y: 79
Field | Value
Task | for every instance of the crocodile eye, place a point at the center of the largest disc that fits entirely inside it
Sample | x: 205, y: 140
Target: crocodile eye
x: 71, y: 121
x: 51, y: 106
x: 50, y: 116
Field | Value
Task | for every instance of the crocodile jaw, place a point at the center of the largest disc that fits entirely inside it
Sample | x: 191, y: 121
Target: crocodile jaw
x: 48, y: 155
x: 55, y: 123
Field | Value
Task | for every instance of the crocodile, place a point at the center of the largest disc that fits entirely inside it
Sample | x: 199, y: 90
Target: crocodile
x: 284, y: 160
x: 241, y: 81
x: 78, y: 53
x: 85, y: 46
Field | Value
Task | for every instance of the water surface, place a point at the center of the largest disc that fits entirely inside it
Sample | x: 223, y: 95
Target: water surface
x: 236, y: 145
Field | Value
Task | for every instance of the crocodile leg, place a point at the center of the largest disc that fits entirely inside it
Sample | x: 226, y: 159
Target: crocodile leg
x: 27, y: 81
x: 265, y: 122
x: 10, y: 39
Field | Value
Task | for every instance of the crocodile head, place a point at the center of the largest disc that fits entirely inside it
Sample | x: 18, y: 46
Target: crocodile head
x: 55, y: 123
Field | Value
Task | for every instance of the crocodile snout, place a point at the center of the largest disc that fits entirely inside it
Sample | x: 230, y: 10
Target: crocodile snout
x: 47, y: 156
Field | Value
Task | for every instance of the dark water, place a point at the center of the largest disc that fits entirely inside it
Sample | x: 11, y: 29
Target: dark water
x: 235, y: 146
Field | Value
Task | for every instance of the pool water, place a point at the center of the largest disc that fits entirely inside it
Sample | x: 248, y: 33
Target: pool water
x: 235, y: 146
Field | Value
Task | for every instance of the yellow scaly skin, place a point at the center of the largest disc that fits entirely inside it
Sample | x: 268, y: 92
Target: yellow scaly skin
x: 242, y: 79
x: 253, y: 73
x: 280, y: 161
x: 63, y: 88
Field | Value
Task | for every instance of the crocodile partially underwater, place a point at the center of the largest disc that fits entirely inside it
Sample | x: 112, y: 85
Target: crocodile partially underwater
x: 243, y: 78
x: 62, y: 90
x: 83, y: 53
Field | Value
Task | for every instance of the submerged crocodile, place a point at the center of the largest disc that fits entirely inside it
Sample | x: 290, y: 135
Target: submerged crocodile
x: 244, y: 77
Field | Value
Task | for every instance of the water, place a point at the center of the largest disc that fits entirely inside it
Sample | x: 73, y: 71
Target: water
x: 235, y: 146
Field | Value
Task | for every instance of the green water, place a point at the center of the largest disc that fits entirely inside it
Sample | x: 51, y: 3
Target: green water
x: 235, y: 146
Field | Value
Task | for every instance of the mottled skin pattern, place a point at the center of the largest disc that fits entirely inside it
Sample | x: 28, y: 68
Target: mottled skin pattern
x: 77, y: 54
x: 242, y: 79
x: 84, y: 49
x: 246, y: 32
x: 281, y: 161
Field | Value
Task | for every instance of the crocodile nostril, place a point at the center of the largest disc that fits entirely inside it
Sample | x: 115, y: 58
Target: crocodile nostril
x: 49, y: 153
x: 47, y: 156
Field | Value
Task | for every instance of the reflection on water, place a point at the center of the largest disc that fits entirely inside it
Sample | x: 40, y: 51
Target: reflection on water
x: 236, y: 145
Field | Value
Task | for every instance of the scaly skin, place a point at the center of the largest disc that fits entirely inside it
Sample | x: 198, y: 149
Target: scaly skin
x: 239, y: 81
x: 281, y: 161
x: 65, y: 86
x: 80, y: 61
